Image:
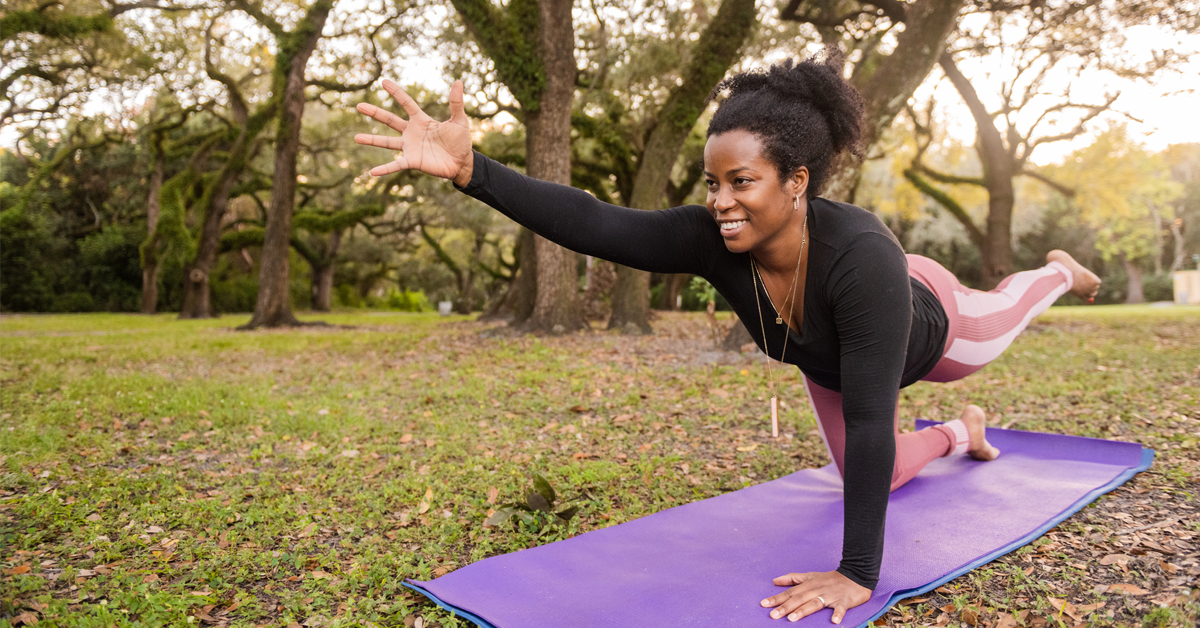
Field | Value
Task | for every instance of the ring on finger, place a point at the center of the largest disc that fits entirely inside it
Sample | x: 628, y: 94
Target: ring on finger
x: 823, y: 604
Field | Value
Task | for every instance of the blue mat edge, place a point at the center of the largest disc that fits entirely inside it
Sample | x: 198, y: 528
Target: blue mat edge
x: 1147, y: 460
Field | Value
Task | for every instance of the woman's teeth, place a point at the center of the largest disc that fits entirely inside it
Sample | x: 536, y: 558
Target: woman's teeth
x: 730, y: 226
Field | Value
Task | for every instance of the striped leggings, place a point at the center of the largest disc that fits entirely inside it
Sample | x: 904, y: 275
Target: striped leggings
x: 982, y: 325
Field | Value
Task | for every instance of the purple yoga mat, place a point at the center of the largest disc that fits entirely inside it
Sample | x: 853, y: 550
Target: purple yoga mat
x: 709, y: 563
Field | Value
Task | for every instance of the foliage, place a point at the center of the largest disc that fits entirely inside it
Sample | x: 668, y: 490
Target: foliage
x: 537, y: 510
x: 1119, y: 186
x: 402, y: 301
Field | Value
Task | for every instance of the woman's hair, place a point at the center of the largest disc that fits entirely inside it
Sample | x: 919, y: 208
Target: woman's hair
x: 804, y: 113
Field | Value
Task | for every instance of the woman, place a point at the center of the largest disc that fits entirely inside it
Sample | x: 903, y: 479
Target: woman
x: 821, y: 285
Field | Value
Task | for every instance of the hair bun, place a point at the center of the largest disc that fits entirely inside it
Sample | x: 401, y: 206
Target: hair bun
x: 808, y: 105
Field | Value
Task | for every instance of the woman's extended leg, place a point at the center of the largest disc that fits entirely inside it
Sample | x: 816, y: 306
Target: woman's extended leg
x: 984, y: 324
x: 914, y: 450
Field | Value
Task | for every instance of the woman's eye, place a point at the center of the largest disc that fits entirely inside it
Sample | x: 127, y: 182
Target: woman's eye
x: 741, y: 180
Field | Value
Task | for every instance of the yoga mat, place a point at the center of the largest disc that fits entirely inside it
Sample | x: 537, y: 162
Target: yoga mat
x: 709, y: 563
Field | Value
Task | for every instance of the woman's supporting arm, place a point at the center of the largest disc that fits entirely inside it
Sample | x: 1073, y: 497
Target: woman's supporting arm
x: 873, y: 310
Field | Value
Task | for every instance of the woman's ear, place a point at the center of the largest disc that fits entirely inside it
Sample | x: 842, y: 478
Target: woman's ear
x: 799, y: 182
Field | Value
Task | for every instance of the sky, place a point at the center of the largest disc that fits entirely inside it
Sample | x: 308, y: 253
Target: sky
x: 1165, y: 111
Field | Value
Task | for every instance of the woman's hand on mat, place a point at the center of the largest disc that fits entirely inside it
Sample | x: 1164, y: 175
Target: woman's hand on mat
x: 442, y: 149
x: 811, y: 592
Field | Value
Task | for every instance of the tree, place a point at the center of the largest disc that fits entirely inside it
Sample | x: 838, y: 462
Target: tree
x: 1120, y: 190
x: 1034, y: 48
x: 885, y: 76
x: 715, y: 51
x: 531, y: 44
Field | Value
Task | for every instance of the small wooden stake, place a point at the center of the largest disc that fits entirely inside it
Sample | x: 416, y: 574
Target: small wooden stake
x: 774, y: 417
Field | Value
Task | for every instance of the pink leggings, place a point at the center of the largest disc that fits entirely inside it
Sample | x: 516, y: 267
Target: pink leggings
x: 982, y: 325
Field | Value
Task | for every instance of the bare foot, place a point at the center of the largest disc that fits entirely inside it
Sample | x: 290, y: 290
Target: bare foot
x: 979, y: 449
x: 1086, y: 283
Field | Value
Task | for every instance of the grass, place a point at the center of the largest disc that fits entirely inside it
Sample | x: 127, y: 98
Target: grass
x: 164, y: 472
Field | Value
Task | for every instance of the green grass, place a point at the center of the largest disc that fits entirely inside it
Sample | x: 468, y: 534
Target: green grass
x: 164, y: 472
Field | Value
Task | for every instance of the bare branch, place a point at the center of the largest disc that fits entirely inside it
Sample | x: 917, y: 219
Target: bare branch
x: 1058, y: 187
x: 241, y: 112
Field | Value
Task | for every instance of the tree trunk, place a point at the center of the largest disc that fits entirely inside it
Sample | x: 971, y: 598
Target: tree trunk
x: 736, y: 337
x: 1134, y: 293
x: 715, y: 52
x: 999, y: 168
x: 274, y: 307
x: 673, y: 284
x: 928, y: 24
x: 197, y: 300
x: 322, y: 274
x: 548, y: 156
x: 1177, y: 233
x: 150, y: 254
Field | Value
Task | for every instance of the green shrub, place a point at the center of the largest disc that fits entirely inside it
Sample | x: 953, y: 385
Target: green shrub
x: 1158, y: 287
x: 403, y: 301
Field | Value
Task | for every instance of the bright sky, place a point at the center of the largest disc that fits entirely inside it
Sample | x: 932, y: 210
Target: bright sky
x: 1169, y: 108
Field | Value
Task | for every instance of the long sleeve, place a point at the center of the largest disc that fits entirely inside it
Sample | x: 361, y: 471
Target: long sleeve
x: 872, y: 309
x: 667, y: 241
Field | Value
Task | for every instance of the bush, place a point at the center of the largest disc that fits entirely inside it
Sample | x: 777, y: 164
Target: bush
x: 346, y: 295
x: 402, y: 301
x: 1158, y: 287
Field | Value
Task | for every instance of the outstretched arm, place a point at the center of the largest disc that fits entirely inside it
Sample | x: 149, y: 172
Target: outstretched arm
x: 676, y: 240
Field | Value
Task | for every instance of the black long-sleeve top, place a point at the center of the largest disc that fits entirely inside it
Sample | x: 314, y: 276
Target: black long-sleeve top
x: 868, y: 329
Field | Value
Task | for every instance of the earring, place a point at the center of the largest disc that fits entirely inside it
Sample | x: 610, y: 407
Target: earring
x: 796, y: 203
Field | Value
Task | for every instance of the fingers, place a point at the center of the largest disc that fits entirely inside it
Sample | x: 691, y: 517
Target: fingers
x: 392, y: 120
x: 798, y: 607
x: 458, y: 114
x: 380, y: 141
x: 405, y: 101
x: 395, y: 166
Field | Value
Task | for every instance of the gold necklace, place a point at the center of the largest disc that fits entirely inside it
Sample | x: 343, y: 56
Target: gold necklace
x: 756, y: 278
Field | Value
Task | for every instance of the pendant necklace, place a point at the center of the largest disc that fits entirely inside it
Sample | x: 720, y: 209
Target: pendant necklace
x: 788, y: 304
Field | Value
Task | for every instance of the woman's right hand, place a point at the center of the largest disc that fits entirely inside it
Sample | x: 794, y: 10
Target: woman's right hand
x: 442, y: 149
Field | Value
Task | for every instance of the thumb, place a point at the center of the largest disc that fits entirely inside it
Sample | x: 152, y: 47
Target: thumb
x: 790, y: 579
x: 839, y: 611
x: 458, y: 114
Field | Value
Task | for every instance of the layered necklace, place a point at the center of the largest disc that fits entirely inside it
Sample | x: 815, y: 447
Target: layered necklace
x: 788, y: 304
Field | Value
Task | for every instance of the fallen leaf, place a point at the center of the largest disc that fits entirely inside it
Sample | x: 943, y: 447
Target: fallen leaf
x: 407, y: 438
x: 424, y: 507
x: 750, y: 447
x: 492, y: 494
x: 321, y: 575
x: 578, y: 409
x: 309, y: 530
x: 323, y: 411
x: 201, y: 593
x: 350, y: 453
x: 19, y: 569
x: 1128, y: 589
x: 153, y: 577
x: 26, y: 618
x: 440, y: 571
x: 94, y: 517
x: 1113, y: 559
x: 970, y: 617
x: 153, y: 530
x: 1063, y: 606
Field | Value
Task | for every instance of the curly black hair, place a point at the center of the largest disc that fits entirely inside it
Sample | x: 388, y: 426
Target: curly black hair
x: 804, y: 113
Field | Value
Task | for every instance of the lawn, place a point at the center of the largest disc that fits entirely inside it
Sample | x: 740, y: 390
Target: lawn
x: 164, y: 472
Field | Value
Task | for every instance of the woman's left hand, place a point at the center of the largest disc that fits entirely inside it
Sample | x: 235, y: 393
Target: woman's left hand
x: 811, y: 592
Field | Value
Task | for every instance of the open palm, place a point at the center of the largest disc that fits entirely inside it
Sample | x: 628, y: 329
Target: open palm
x: 437, y: 148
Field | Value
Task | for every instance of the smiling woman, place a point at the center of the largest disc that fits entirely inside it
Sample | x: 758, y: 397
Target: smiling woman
x: 828, y: 284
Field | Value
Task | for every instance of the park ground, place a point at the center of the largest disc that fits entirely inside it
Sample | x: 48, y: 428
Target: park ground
x: 163, y: 472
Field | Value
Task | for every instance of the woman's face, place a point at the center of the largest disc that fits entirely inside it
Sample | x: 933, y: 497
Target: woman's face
x: 745, y: 196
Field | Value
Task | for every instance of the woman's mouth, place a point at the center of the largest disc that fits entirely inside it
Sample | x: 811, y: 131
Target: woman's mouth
x: 732, y: 227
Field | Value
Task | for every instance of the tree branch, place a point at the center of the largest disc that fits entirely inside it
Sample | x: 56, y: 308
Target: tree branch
x: 951, y: 205
x: 1058, y: 187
